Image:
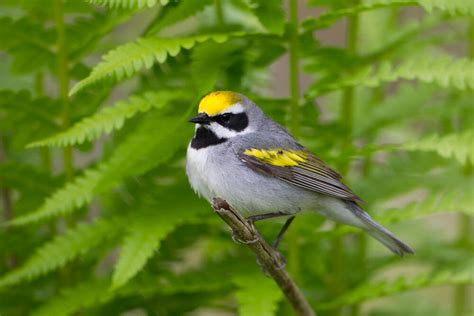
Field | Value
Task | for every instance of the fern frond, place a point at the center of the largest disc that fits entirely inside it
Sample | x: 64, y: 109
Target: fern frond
x: 75, y: 298
x: 401, y: 284
x: 182, y: 11
x: 257, y: 294
x: 327, y: 18
x: 453, y: 7
x: 155, y: 137
x: 26, y: 178
x: 108, y: 119
x: 126, y: 60
x: 460, y: 200
x: 270, y: 14
x: 128, y: 4
x: 445, y: 71
x: 459, y: 146
x: 61, y: 250
x: 144, y: 238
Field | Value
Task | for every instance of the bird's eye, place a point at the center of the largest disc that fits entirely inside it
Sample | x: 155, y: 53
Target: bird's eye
x: 224, y: 118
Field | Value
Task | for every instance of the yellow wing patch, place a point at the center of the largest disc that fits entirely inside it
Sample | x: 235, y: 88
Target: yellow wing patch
x: 278, y: 157
x: 216, y: 102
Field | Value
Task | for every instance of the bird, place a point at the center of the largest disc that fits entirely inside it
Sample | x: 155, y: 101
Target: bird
x: 241, y: 155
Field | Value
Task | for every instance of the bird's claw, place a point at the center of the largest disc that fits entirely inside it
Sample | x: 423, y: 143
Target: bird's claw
x: 240, y: 241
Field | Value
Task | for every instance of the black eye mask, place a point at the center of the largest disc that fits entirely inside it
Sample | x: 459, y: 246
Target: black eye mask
x: 233, y: 121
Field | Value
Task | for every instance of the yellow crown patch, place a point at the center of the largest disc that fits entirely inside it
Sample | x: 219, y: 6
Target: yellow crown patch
x: 218, y: 101
x: 278, y: 157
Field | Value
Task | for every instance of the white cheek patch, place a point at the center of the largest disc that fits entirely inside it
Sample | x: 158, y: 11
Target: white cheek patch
x: 223, y: 132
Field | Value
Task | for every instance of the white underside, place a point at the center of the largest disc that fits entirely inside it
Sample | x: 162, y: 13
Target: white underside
x: 215, y: 172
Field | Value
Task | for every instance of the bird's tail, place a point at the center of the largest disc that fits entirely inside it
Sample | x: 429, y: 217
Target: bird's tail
x: 380, y: 233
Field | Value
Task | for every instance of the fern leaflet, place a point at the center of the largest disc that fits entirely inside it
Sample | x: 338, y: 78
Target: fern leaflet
x: 183, y: 10
x: 151, y: 139
x: 108, y: 119
x: 257, y: 295
x: 402, y: 284
x: 64, y: 248
x: 126, y: 60
x: 128, y: 4
x: 457, y: 145
x: 442, y: 70
x: 70, y: 300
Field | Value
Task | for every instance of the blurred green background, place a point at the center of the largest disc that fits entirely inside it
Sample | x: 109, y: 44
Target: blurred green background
x: 97, y: 215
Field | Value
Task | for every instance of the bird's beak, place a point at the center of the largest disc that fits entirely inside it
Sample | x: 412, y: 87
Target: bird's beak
x: 201, y: 118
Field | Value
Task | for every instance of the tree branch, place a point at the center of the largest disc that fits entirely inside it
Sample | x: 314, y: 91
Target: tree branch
x: 269, y: 258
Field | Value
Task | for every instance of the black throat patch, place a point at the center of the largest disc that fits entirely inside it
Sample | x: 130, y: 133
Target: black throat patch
x: 204, y: 137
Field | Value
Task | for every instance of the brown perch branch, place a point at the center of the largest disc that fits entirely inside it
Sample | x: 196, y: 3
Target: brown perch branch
x: 269, y: 258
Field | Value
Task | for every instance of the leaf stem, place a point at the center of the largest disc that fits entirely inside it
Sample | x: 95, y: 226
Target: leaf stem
x: 346, y: 119
x: 45, y: 152
x: 219, y: 12
x: 63, y: 80
x: 294, y: 69
x: 293, y: 233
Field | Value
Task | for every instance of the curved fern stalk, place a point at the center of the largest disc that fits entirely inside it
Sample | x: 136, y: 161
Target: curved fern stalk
x: 109, y: 119
x: 128, y: 59
x: 155, y: 137
x: 459, y: 146
x: 128, y: 4
x: 402, y: 284
x: 61, y: 250
x: 444, y: 71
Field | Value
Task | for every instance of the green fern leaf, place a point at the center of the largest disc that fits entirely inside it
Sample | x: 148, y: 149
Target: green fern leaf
x: 108, y: 119
x: 401, y: 284
x: 270, y: 14
x: 442, y: 70
x: 459, y: 146
x: 257, y: 295
x: 73, y: 299
x: 182, y: 11
x: 155, y: 137
x: 61, y: 250
x: 204, y: 68
x: 126, y: 60
x: 453, y: 7
x: 327, y: 18
x: 128, y: 4
x: 460, y: 200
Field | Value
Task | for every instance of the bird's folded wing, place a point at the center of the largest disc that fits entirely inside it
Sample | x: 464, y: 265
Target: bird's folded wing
x: 298, y: 167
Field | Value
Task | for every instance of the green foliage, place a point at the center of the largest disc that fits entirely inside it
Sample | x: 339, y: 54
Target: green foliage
x: 257, y: 295
x: 173, y: 15
x: 108, y: 119
x: 456, y: 145
x: 130, y: 58
x: 402, y: 284
x: 442, y: 70
x: 61, y: 250
x: 131, y: 4
x: 97, y: 216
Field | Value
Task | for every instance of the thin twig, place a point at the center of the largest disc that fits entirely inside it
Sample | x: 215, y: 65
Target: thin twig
x: 270, y: 259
